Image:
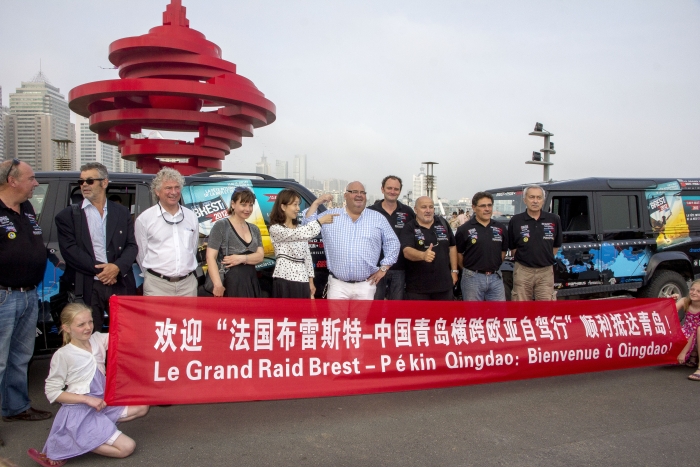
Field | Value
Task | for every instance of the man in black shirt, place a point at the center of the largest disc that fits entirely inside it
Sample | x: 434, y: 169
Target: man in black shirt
x: 392, y: 285
x: 482, y: 244
x: 534, y: 237
x: 22, y: 265
x: 429, y: 247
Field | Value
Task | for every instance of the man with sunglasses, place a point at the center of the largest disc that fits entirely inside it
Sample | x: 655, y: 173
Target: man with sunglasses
x: 97, y: 243
x: 168, y: 238
x: 482, y: 244
x: 22, y: 265
x: 353, y: 243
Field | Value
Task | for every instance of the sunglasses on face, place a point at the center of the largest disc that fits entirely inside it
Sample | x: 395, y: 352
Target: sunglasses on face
x: 89, y: 181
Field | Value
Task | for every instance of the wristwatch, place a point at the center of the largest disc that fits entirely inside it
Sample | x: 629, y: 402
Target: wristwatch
x: 384, y: 269
x: 455, y: 271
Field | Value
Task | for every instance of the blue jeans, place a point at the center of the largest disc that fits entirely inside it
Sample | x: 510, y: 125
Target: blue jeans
x: 481, y: 287
x: 18, y: 315
x: 392, y: 286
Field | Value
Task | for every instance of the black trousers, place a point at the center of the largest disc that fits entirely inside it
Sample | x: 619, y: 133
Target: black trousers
x: 447, y: 295
x: 99, y: 302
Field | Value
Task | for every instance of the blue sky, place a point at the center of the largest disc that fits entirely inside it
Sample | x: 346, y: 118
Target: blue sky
x: 368, y: 88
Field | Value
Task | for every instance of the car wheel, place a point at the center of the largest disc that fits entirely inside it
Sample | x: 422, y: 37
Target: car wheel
x: 664, y: 284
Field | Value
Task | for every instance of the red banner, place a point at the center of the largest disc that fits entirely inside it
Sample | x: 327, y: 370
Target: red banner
x: 167, y: 350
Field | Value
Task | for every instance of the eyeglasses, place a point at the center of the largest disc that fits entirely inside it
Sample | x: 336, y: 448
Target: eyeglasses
x: 357, y: 192
x: 482, y: 206
x: 89, y: 181
x: 15, y: 162
x: 162, y: 214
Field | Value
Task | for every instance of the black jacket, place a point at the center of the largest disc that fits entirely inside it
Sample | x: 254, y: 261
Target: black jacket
x: 80, y: 257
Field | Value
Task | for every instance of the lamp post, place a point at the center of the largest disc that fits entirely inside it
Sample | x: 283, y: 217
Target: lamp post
x: 429, y: 179
x: 547, y: 150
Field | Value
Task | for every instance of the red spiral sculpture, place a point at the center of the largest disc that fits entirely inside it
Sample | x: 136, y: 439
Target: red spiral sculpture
x: 167, y: 77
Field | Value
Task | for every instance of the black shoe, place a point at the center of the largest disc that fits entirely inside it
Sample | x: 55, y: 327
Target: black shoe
x: 29, y: 415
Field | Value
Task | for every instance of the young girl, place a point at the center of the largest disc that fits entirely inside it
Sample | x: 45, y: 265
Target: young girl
x: 294, y: 271
x: 84, y: 422
x: 240, y: 244
x: 691, y: 326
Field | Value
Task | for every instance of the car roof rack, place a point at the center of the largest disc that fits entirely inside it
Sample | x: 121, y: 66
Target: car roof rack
x: 233, y: 175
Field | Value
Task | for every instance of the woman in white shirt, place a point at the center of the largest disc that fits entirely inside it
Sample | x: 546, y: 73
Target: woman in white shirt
x: 294, y: 271
x: 76, y: 379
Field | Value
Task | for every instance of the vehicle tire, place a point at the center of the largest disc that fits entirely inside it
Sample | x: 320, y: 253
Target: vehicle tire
x: 663, y: 284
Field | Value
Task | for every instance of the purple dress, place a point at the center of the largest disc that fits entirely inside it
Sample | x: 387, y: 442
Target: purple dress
x: 690, y: 329
x: 78, y: 428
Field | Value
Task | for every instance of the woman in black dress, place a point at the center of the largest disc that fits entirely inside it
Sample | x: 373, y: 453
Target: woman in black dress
x: 238, y: 245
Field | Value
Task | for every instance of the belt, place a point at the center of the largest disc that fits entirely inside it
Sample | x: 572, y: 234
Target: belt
x: 347, y: 282
x: 169, y: 279
x: 486, y: 273
x: 18, y: 289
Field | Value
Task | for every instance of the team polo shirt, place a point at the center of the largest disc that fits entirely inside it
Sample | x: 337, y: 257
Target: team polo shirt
x: 482, y: 246
x: 22, y: 250
x: 434, y: 277
x: 534, y: 239
x: 397, y: 220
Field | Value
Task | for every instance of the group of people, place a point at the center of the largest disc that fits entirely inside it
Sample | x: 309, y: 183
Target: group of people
x: 384, y: 251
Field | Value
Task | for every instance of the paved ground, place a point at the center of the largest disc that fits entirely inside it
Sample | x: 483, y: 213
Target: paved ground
x: 648, y: 416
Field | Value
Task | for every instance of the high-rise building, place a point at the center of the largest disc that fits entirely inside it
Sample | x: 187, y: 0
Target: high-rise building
x: 262, y: 167
x: 313, y: 184
x: 281, y: 169
x: 38, y: 114
x: 299, y: 172
x: 334, y: 185
x: 89, y: 148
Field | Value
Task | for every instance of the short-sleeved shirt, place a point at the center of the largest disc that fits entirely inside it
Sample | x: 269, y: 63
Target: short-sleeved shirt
x: 397, y: 220
x: 236, y: 245
x: 482, y: 246
x: 436, y: 276
x: 534, y: 239
x: 22, y: 251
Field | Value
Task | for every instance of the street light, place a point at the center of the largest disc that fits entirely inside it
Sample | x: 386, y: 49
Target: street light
x: 547, y: 150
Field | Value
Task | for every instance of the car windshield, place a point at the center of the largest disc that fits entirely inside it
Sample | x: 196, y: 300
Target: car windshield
x: 507, y: 203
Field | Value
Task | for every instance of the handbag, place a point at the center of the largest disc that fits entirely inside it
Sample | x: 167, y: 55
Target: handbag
x: 208, y: 283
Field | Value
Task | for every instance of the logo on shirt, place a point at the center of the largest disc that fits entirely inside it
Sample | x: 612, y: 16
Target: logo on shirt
x: 420, y: 237
x: 401, y: 218
x: 497, y: 233
x: 36, y: 230
x: 548, y: 230
x: 441, y: 233
x: 525, y: 233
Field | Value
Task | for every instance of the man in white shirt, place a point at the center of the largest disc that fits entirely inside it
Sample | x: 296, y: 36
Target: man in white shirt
x: 97, y: 243
x: 168, y: 236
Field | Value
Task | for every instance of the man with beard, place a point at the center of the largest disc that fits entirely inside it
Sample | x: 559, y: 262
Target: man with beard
x: 429, y: 247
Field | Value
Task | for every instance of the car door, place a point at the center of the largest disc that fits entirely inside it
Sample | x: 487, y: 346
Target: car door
x: 578, y: 259
x: 625, y: 252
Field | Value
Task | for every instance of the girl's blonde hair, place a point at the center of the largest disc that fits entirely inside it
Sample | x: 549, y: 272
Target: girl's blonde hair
x: 686, y: 300
x: 68, y: 314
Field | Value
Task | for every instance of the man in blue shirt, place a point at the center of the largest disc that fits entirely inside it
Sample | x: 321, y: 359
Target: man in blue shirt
x: 353, y: 243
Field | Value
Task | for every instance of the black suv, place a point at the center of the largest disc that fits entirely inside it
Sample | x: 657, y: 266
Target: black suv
x: 207, y: 194
x: 628, y: 235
